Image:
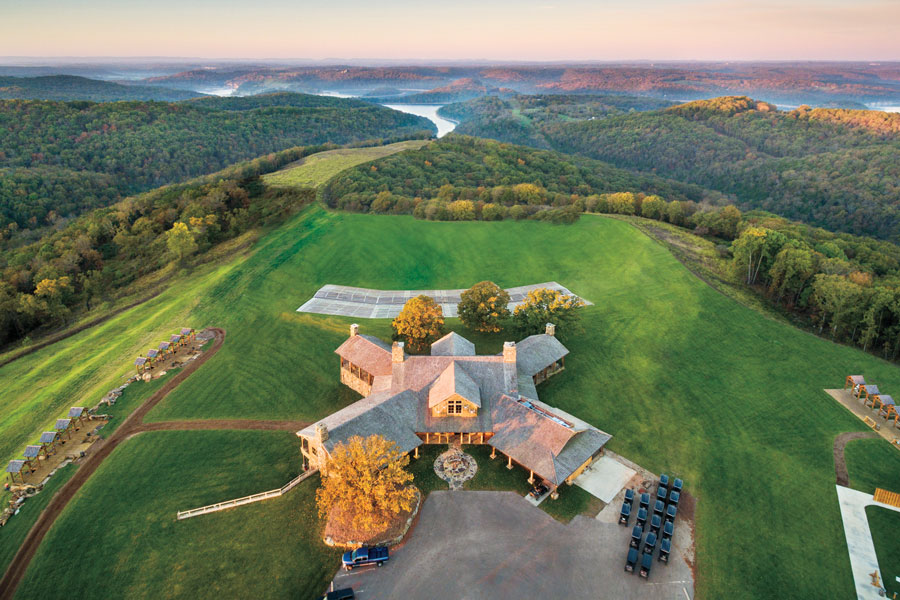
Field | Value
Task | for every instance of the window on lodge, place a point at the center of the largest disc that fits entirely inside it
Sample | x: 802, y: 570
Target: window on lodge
x: 357, y: 372
x: 454, y: 407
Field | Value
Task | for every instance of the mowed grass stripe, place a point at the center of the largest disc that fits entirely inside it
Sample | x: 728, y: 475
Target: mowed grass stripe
x: 121, y: 530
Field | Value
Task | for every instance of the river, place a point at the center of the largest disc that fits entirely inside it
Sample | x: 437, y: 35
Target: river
x: 429, y: 111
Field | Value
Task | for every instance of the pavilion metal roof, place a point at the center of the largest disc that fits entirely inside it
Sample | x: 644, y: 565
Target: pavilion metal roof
x: 76, y: 411
x: 15, y: 466
x: 31, y: 451
x: 48, y: 437
x: 62, y: 424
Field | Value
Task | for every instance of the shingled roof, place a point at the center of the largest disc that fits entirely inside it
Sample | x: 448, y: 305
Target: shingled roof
x: 542, y: 441
x: 453, y: 344
x: 390, y: 415
x: 454, y: 380
x: 537, y: 352
x: 367, y: 352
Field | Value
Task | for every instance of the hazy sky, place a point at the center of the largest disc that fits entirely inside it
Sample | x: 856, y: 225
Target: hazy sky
x: 464, y: 29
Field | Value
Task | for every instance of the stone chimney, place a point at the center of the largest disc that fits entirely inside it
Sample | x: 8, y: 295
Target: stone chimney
x: 550, y: 329
x: 397, y: 353
x: 321, y: 432
x: 354, y: 330
x: 509, y: 352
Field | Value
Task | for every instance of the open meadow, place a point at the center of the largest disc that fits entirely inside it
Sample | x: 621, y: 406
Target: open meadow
x: 318, y: 168
x: 689, y: 382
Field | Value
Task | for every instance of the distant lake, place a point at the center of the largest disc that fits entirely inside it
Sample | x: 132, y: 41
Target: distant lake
x: 429, y: 111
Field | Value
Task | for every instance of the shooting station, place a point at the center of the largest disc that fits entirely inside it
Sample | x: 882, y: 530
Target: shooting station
x: 78, y: 414
x: 64, y: 426
x: 14, y: 469
x: 48, y: 442
x: 140, y: 364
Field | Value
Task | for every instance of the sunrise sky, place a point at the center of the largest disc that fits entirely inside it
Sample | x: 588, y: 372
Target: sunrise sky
x: 463, y: 29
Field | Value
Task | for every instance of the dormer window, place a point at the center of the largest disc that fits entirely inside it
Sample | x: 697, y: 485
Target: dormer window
x: 454, y: 407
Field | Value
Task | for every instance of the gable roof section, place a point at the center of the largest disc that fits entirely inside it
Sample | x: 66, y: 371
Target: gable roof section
x: 367, y: 352
x: 453, y: 344
x: 537, y: 352
x: 391, y: 416
x: 534, y: 438
x: 454, y: 380
x: 528, y: 437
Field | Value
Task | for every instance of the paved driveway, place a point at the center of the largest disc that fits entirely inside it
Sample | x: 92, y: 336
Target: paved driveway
x: 495, y: 545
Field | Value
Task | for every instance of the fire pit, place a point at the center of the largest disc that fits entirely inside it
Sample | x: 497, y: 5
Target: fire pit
x: 455, y: 467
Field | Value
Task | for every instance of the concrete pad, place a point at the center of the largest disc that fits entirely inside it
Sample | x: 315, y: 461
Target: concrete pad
x: 863, y: 560
x: 492, y: 545
x: 605, y: 478
x: 386, y: 304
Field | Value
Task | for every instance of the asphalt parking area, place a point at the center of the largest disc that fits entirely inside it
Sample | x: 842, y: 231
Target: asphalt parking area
x: 472, y: 545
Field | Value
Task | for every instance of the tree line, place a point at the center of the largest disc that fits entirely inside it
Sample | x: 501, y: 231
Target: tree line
x: 101, y: 255
x: 464, y: 178
x: 835, y: 168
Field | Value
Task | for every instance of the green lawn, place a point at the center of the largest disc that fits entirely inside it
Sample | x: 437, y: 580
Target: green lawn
x: 686, y: 380
x: 119, y: 537
x: 13, y: 533
x: 872, y: 463
x: 316, y: 169
x: 884, y: 525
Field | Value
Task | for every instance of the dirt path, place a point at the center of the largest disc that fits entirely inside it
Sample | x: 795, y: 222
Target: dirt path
x: 132, y: 425
x: 840, y: 465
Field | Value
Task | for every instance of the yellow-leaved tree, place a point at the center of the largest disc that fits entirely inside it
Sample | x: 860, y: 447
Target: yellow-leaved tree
x: 543, y: 306
x: 366, y: 484
x: 420, y: 323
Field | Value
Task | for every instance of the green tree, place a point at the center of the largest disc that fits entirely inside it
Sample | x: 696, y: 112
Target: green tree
x: 543, y: 306
x: 483, y: 307
x: 180, y: 242
x: 420, y: 323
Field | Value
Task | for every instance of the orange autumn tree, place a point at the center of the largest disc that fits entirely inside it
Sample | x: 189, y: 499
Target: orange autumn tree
x: 366, y: 483
x: 420, y: 323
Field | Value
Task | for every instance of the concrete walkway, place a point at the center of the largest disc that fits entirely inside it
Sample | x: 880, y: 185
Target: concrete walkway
x: 366, y: 303
x: 863, y: 560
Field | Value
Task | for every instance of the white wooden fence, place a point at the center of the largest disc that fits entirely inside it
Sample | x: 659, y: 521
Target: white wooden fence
x: 203, y: 510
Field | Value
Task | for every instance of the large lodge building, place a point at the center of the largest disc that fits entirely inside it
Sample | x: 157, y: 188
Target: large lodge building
x: 455, y: 395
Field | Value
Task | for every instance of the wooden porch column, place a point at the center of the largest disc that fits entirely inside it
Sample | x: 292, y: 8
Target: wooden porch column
x: 416, y: 452
x: 508, y: 462
x: 493, y: 453
x: 554, y: 494
x: 427, y: 437
x: 531, y: 477
x: 482, y: 438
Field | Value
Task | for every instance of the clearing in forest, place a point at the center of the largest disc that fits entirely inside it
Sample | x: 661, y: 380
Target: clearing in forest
x: 316, y: 169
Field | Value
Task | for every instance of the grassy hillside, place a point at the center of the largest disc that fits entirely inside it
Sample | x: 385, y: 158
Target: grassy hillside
x: 688, y: 381
x: 59, y: 152
x: 121, y: 528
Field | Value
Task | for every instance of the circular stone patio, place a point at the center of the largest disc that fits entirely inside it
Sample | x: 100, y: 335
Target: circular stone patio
x: 455, y: 467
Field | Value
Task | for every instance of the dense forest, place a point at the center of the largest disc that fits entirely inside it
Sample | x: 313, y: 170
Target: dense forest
x: 100, y: 255
x: 835, y: 168
x: 72, y: 87
x: 483, y: 172
x: 520, y: 119
x: 59, y: 159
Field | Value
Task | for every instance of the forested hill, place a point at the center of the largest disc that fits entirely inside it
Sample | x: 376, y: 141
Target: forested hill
x: 71, y: 87
x: 835, y: 168
x: 458, y: 167
x: 59, y: 159
x: 520, y: 119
